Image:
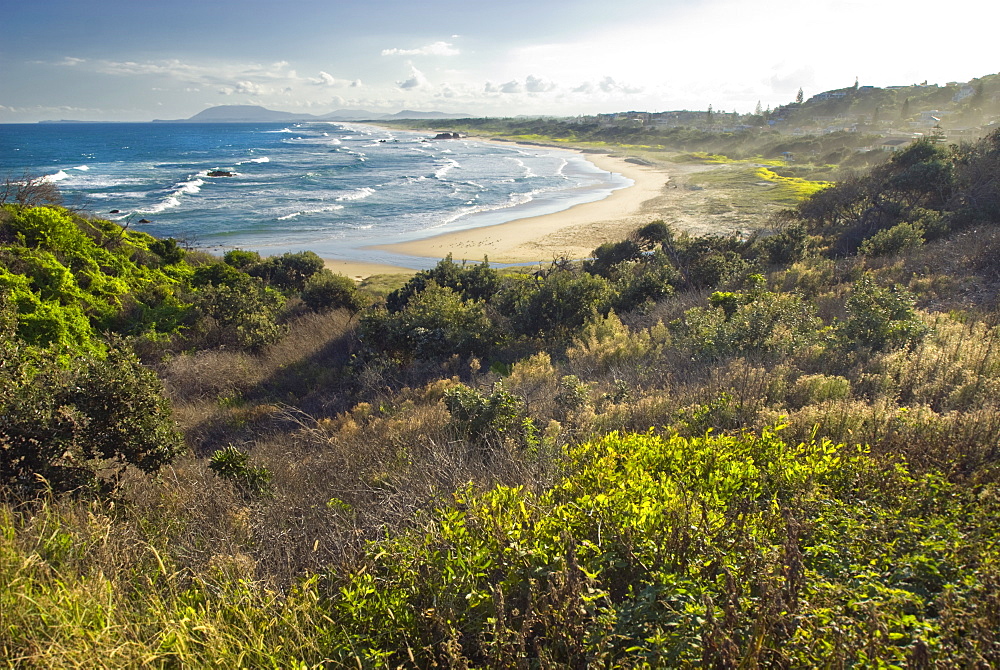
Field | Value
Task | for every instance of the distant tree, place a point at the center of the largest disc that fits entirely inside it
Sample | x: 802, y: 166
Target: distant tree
x: 758, y: 110
x: 799, y: 97
x: 709, y: 115
x: 904, y: 112
x: 610, y: 254
x: 977, y: 97
x: 855, y: 87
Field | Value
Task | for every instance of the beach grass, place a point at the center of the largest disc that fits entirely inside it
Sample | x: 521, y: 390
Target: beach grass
x: 382, y: 284
x: 750, y: 187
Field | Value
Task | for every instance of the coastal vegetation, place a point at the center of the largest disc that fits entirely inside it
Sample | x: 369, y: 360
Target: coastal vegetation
x: 772, y: 449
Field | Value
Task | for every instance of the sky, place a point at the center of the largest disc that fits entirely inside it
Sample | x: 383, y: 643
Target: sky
x: 138, y: 60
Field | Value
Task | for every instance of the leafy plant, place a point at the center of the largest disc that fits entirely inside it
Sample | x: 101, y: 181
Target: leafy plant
x: 325, y: 290
x: 234, y: 466
x: 484, y: 418
x: 880, y: 317
x: 79, y: 426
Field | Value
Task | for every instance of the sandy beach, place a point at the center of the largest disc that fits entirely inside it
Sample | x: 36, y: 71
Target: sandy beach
x: 360, y: 270
x: 571, y: 233
x: 657, y: 193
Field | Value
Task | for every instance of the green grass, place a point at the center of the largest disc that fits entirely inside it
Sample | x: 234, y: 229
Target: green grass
x: 791, y: 190
x: 747, y: 186
x: 383, y: 284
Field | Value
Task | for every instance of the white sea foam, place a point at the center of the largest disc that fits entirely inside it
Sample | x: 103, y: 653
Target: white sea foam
x: 191, y: 187
x: 82, y: 168
x: 283, y: 130
x: 169, y: 202
x: 52, y: 178
x: 358, y: 194
x: 443, y: 169
x: 513, y: 200
x: 528, y: 172
x: 311, y: 210
x: 262, y: 159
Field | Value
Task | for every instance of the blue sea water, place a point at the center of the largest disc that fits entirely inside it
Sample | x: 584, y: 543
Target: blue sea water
x: 332, y: 188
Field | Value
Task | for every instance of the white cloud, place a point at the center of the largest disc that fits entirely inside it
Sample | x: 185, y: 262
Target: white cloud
x: 71, y: 62
x: 512, y: 86
x: 609, y: 85
x: 327, y: 78
x: 535, y: 85
x: 250, y: 88
x: 415, y: 80
x: 435, y: 49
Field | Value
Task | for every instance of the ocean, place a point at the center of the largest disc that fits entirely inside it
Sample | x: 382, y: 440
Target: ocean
x: 332, y: 188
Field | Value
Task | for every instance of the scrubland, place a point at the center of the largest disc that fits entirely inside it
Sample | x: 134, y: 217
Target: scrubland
x: 777, y: 450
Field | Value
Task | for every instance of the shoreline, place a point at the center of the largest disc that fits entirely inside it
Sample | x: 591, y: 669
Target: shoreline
x: 571, y: 233
x: 660, y: 191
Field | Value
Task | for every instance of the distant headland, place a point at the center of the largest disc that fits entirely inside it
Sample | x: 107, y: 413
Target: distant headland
x: 257, y: 114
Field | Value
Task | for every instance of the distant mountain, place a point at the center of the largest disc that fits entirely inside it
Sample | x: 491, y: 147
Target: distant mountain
x: 241, y: 114
x: 353, y: 115
x: 410, y: 114
x: 257, y: 114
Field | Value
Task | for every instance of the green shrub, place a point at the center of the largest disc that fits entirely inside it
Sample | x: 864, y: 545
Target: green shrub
x: 653, y: 234
x: 901, y: 237
x: 669, y: 552
x: 472, y: 282
x: 562, y: 305
x: 234, y: 466
x: 217, y: 274
x: 168, y: 250
x: 244, y: 314
x: 325, y: 290
x: 288, y: 272
x: 79, y: 426
x: 752, y: 322
x: 241, y: 258
x: 485, y: 418
x: 610, y: 254
x: 880, y: 318
x: 434, y: 323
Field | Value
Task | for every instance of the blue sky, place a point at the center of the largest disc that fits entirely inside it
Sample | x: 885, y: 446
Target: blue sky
x: 138, y: 60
